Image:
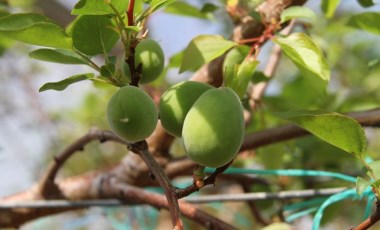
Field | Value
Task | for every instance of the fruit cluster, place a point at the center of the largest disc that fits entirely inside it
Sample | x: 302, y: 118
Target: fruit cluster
x: 209, y: 120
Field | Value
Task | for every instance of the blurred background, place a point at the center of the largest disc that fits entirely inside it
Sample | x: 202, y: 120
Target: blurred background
x: 34, y: 126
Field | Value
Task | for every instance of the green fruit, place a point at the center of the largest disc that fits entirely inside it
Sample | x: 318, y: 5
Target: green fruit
x: 213, y: 130
x: 177, y: 101
x: 132, y: 114
x: 149, y: 54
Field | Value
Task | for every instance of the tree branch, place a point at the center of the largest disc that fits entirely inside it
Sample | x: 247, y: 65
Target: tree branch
x: 48, y: 188
x: 370, y: 221
x: 141, y: 148
x: 125, y: 192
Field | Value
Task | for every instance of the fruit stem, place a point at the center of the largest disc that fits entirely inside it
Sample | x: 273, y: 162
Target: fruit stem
x: 199, y: 176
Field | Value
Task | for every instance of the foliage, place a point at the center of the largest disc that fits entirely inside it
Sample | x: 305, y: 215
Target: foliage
x: 325, y: 72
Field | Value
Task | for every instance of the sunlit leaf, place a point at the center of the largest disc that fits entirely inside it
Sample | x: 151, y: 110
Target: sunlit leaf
x: 329, y: 7
x: 336, y: 129
x: 61, y: 85
x: 58, y: 56
x: 185, y: 9
x: 369, y: 22
x: 98, y: 7
x: 297, y: 12
x: 157, y: 4
x: 94, y: 34
x: 204, y: 49
x: 239, y: 81
x: 308, y: 57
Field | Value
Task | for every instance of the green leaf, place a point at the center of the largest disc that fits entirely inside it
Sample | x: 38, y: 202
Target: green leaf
x: 366, y: 3
x: 94, y: 34
x: 99, y: 7
x: 366, y: 21
x: 297, y: 12
x: 61, y: 85
x: 204, y: 49
x: 157, y: 4
x: 329, y: 7
x: 107, y: 70
x: 239, y: 81
x: 209, y: 8
x: 308, y: 57
x: 185, y: 9
x: 34, y: 29
x: 259, y: 76
x: 375, y: 167
x: 336, y: 129
x: 361, y: 185
x: 21, y: 21
x: 43, y: 34
x: 58, y: 56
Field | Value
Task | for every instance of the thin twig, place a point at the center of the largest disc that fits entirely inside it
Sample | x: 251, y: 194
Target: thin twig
x: 141, y: 148
x: 127, y: 192
x: 257, y: 90
x: 48, y: 188
x: 253, y: 208
x: 208, y: 181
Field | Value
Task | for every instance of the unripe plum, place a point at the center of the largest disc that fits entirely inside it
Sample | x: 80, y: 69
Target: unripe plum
x: 176, y: 102
x: 132, y: 114
x: 149, y: 54
x: 213, y: 130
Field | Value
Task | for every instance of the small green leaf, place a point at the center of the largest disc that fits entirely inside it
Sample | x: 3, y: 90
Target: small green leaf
x: 209, y: 8
x: 308, y: 57
x: 98, y: 7
x: 329, y: 7
x: 157, y: 4
x: 185, y: 9
x: 336, y: 129
x: 61, y: 85
x: 239, y: 82
x: 297, y: 12
x: 58, y: 56
x: 366, y: 21
x: 107, y: 70
x: 259, y: 76
x: 361, y: 185
x: 94, y: 34
x: 366, y: 3
x: 204, y: 49
x: 175, y: 60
